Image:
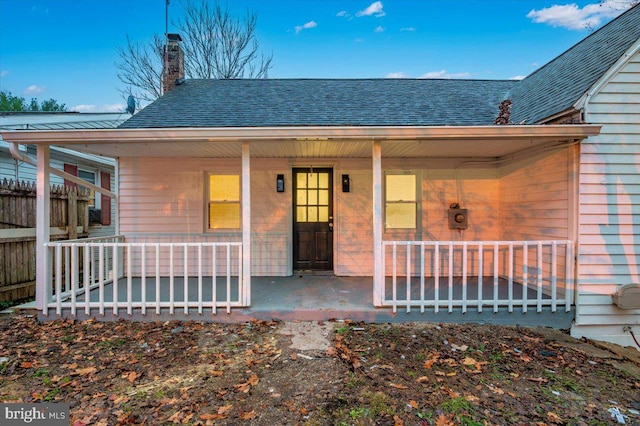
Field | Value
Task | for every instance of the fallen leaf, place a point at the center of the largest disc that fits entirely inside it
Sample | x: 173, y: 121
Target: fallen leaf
x: 225, y: 408
x: 131, y: 376
x: 422, y: 379
x: 26, y: 364
x: 413, y: 403
x: 216, y: 373
x: 393, y: 385
x: 84, y: 371
x: 554, y: 418
x: 397, y: 421
x: 444, y: 420
x: 249, y: 415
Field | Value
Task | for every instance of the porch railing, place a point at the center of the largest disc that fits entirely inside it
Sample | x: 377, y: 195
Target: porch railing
x: 108, y: 273
x: 478, y: 274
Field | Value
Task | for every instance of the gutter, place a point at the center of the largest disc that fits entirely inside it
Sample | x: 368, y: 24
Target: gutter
x: 14, y: 149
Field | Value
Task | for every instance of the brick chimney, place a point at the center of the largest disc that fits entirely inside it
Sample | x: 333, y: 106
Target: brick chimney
x: 173, y: 62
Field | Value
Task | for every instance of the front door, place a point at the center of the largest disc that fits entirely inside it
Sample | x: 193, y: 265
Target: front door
x: 313, y: 219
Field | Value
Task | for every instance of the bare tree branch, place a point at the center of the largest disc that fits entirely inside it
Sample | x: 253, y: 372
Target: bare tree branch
x: 215, y: 45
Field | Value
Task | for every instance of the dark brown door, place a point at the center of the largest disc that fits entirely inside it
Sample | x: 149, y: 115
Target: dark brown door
x: 313, y: 219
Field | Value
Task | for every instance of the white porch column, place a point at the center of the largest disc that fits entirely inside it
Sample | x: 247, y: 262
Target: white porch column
x: 43, y: 208
x: 246, y: 223
x: 378, y: 273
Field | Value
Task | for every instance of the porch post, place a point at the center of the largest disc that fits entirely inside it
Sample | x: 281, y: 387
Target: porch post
x: 43, y: 208
x: 246, y: 223
x: 378, y: 273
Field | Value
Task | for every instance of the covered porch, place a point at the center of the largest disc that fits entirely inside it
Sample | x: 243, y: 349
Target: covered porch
x: 410, y: 276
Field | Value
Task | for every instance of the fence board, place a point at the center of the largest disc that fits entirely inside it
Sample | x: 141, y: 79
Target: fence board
x: 17, y: 231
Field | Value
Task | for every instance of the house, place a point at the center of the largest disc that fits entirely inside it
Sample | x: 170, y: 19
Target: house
x: 408, y: 183
x: 93, y: 169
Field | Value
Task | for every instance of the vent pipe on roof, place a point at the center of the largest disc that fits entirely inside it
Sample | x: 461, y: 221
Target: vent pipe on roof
x: 174, y: 62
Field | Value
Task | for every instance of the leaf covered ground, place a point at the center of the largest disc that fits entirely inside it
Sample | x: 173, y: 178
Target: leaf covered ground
x: 117, y: 373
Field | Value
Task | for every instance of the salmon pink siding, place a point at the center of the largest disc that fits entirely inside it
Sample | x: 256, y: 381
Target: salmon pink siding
x: 165, y: 200
x: 609, y: 253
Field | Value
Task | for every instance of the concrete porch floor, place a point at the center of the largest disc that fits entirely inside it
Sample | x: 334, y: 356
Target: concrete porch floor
x: 309, y: 297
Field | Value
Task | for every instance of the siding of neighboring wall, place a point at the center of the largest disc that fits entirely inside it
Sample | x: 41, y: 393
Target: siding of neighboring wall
x: 27, y: 173
x: 610, y: 207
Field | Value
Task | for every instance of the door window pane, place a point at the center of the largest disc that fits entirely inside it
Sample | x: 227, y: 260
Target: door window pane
x: 323, y: 180
x: 301, y: 180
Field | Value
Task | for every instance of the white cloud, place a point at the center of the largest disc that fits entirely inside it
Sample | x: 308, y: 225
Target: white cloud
x: 373, y: 9
x: 379, y: 29
x: 94, y: 108
x: 517, y: 77
x: 83, y: 108
x: 445, y: 74
x: 4, y: 73
x: 343, y: 14
x: 398, y: 74
x: 310, y: 24
x: 34, y: 90
x: 411, y: 29
x: 572, y: 17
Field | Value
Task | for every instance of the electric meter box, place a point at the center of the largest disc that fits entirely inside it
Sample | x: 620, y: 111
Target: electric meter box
x: 458, y: 218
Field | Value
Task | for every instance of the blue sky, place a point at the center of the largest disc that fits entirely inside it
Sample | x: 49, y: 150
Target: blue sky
x: 66, y: 49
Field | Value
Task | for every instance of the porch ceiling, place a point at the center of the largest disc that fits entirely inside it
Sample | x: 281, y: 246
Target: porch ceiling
x: 311, y: 142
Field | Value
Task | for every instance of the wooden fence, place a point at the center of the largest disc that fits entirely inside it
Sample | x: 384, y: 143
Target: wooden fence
x: 69, y: 219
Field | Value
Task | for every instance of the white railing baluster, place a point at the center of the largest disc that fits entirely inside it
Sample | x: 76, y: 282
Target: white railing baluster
x: 525, y: 276
x: 214, y: 280
x: 510, y: 278
x: 186, y: 279
x: 101, y: 279
x: 408, y: 277
x: 422, y: 273
x: 75, y: 269
x: 480, y: 275
x: 394, y: 282
x: 171, y: 280
x: 554, y: 272
x: 436, y: 289
x: 129, y: 283
x: 228, y: 278
x: 539, y: 265
x: 87, y: 281
x: 157, y: 246
x: 568, y: 278
x: 114, y: 274
x: 58, y: 291
x: 143, y: 279
x: 464, y: 277
x: 450, y: 277
x: 200, y: 279
x: 496, y: 277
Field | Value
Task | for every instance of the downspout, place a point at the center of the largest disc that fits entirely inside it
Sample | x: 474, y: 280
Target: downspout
x: 15, y: 152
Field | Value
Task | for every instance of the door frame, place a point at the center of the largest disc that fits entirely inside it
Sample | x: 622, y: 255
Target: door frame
x: 332, y: 199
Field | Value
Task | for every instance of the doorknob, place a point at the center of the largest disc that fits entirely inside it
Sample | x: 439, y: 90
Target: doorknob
x: 330, y: 223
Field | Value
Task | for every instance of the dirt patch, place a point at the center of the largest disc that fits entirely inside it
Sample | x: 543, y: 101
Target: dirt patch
x: 343, y: 373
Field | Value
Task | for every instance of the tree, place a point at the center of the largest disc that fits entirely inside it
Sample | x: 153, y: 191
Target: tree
x: 215, y: 45
x: 8, y: 102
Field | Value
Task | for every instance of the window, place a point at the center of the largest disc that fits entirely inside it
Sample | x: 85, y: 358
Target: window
x: 224, y: 201
x: 91, y: 178
x: 400, y: 201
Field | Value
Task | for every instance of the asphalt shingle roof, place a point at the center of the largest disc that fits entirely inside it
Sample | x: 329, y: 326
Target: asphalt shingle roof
x: 550, y: 90
x: 324, y: 102
x: 555, y: 87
